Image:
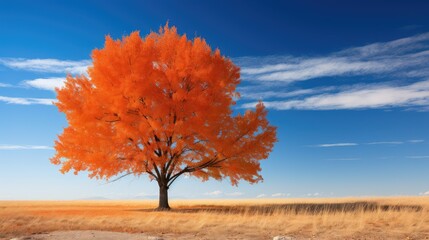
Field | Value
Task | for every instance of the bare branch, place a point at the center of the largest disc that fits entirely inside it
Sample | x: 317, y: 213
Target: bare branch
x: 175, y: 176
x: 152, y: 174
x: 156, y: 170
x: 210, y: 163
x: 120, y: 177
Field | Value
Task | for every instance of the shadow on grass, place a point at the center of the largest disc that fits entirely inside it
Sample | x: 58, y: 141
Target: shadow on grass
x: 297, y: 208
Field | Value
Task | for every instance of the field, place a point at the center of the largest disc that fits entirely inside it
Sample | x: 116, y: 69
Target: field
x: 346, y: 218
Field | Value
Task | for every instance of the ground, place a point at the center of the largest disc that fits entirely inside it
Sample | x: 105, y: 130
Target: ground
x: 87, y: 235
x: 347, y: 218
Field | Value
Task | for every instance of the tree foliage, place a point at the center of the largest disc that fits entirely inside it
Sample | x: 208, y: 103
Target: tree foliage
x: 160, y: 105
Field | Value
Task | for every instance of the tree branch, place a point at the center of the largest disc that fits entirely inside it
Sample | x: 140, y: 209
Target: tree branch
x: 175, y: 176
x: 152, y: 174
x: 156, y: 170
x: 211, y: 163
x: 116, y: 179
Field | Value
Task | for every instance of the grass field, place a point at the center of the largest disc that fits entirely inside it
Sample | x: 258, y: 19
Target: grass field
x: 347, y: 218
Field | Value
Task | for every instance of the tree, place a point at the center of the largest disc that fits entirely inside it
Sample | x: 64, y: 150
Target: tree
x: 161, y: 106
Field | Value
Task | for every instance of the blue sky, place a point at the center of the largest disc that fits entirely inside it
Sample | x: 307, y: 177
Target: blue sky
x: 347, y: 85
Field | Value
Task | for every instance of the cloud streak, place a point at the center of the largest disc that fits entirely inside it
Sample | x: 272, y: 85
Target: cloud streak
x: 45, y: 83
x: 279, y: 195
x: 5, y: 85
x: 350, y: 144
x: 24, y: 147
x: 326, y: 145
x: 47, y: 65
x: 214, y: 193
x: 358, y: 97
x: 27, y: 101
x: 402, y: 66
x: 407, y: 54
x: 313, y: 194
x: 388, y: 143
x: 256, y: 93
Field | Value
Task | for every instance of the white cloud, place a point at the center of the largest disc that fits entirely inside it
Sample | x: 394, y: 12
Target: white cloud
x: 256, y: 93
x: 347, y: 144
x: 261, y: 195
x: 27, y: 101
x: 5, y: 85
x: 399, y: 45
x: 47, y: 65
x: 235, y: 194
x: 278, y: 195
x: 323, y: 67
x: 416, y: 141
x: 214, y: 193
x: 361, y: 97
x: 398, y: 56
x: 45, y: 83
x: 391, y: 142
x: 336, y: 145
x: 24, y: 147
x: 316, y: 194
x: 401, y: 64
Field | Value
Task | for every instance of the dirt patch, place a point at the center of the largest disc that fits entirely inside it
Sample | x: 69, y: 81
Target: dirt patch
x: 108, y: 235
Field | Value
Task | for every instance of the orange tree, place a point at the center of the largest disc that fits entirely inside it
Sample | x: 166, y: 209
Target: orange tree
x: 161, y: 106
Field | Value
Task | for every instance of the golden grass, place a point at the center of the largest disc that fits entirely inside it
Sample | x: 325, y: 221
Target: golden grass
x: 347, y: 218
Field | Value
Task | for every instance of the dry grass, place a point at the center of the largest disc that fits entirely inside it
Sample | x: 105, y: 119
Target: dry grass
x: 357, y: 218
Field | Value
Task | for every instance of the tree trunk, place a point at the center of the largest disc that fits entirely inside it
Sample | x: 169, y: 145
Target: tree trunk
x: 163, y: 198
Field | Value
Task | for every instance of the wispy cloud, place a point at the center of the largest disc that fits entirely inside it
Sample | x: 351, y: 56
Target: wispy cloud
x: 379, y: 58
x: 261, y: 195
x: 5, y: 85
x: 279, y: 195
x: 27, y: 101
x: 359, y: 97
x: 401, y: 64
x: 24, y: 147
x: 214, y: 193
x: 316, y: 194
x: 416, y: 141
x: 305, y: 69
x: 254, y: 92
x: 47, y: 65
x: 45, y: 83
x: 347, y: 144
x: 336, y: 145
x: 391, y: 142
